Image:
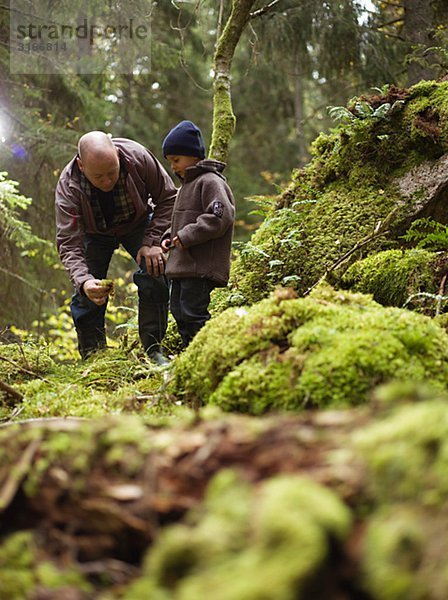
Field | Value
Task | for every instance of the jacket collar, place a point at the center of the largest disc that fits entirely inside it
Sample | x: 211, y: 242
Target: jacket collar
x: 207, y: 165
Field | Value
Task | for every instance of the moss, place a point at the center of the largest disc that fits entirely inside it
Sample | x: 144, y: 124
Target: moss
x: 23, y: 572
x: 116, y: 443
x: 108, y: 383
x: 406, y: 454
x: 22, y: 362
x: 403, y: 554
x: 223, y: 121
x: 394, y: 275
x: 341, y: 196
x: 392, y: 552
x: 247, y: 543
x: 16, y: 561
x: 329, y: 349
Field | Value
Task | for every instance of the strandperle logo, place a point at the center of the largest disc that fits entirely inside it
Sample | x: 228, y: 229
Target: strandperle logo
x: 34, y: 32
x: 95, y: 37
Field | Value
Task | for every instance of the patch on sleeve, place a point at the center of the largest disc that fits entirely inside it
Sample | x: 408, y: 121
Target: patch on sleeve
x: 218, y: 208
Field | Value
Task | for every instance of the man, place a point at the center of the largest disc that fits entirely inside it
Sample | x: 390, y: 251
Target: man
x: 114, y: 192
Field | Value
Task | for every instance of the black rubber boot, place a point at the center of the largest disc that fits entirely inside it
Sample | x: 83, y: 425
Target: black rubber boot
x: 90, y: 341
x: 155, y: 353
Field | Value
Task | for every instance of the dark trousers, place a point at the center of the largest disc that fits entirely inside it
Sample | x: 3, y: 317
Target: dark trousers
x: 189, y: 302
x: 153, y: 294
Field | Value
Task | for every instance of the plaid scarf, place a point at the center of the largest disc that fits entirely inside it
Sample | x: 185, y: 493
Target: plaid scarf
x: 123, y: 207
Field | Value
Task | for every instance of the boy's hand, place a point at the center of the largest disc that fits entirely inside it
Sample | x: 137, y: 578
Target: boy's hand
x: 166, y: 244
x: 176, y: 242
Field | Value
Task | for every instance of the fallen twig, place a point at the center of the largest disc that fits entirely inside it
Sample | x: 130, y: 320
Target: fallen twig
x: 17, y: 473
x: 27, y: 371
x: 11, y: 391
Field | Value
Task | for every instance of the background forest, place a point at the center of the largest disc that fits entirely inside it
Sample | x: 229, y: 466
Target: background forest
x: 295, y: 59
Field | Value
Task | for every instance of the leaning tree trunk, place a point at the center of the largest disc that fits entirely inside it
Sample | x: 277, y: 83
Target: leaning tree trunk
x: 223, y: 116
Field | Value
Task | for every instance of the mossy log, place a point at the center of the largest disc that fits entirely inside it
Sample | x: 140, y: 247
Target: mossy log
x: 324, y: 505
x: 102, y: 491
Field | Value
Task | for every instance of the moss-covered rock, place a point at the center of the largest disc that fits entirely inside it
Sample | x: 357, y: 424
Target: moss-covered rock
x: 349, y: 190
x: 328, y: 349
x: 272, y: 543
x: 394, y: 276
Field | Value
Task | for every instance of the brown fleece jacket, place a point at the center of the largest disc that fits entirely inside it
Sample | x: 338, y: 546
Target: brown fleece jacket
x: 203, y: 219
x: 148, y: 186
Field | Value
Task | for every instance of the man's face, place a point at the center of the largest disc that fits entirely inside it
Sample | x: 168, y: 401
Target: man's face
x: 179, y: 163
x: 101, y: 170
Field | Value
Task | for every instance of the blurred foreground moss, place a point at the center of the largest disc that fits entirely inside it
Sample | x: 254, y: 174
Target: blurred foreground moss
x: 23, y: 573
x: 244, y: 542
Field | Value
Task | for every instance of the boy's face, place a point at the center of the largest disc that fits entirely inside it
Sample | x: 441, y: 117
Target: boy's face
x: 179, y: 163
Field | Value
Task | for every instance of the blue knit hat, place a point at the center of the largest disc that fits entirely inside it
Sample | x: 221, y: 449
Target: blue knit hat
x: 184, y: 140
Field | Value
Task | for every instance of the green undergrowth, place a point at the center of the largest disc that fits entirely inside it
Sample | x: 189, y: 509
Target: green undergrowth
x: 273, y: 541
x: 112, y: 381
x: 395, y: 276
x: 20, y: 363
x: 346, y: 192
x: 328, y: 349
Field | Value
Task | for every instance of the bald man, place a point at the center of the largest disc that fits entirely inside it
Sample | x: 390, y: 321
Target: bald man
x: 114, y: 192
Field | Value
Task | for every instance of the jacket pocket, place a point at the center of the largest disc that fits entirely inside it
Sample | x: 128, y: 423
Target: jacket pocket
x: 181, y: 263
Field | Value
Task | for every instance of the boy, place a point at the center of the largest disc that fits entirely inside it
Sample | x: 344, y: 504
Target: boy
x: 200, y: 237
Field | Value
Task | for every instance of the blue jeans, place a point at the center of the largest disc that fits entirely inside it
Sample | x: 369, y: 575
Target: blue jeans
x: 189, y: 302
x: 153, y: 294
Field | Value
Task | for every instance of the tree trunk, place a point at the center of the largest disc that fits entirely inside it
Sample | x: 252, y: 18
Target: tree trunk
x: 418, y: 24
x: 299, y: 116
x: 223, y: 116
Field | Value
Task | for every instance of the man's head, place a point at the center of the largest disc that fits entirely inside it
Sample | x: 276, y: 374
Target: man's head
x: 183, y: 147
x: 98, y: 160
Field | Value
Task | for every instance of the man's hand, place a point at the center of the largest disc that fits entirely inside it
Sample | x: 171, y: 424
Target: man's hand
x: 96, y: 292
x: 154, y: 259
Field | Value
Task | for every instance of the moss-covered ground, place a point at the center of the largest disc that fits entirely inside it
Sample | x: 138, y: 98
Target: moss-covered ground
x: 348, y: 192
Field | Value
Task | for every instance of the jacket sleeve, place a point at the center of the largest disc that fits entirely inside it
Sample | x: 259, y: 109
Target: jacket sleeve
x: 70, y: 236
x: 217, y: 216
x: 162, y: 193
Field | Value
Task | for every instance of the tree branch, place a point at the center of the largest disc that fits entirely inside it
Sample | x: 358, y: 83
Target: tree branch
x: 27, y: 371
x: 262, y: 11
x: 380, y: 230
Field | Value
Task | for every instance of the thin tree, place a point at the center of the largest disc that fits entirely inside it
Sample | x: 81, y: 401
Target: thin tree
x: 223, y: 116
